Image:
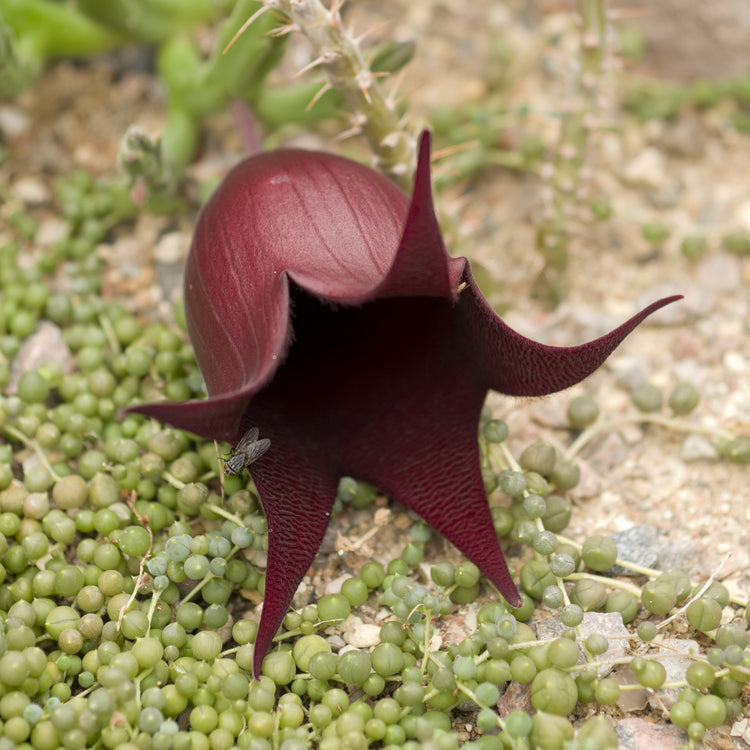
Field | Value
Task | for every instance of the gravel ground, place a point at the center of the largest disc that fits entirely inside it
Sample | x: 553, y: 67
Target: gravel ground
x: 689, y: 174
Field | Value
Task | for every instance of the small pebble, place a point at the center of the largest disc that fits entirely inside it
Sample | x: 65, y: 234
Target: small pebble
x: 684, y: 554
x: 735, y: 362
x: 360, y: 634
x: 336, y: 642
x: 172, y: 248
x: 697, y: 448
x: 608, y: 624
x: 608, y: 453
x: 684, y: 137
x: 517, y: 697
x: 676, y: 668
x: 646, y: 170
x: 630, y: 370
x: 637, y: 545
x: 720, y: 272
x: 30, y: 190
x: 636, y: 733
x: 13, y: 121
x: 741, y: 729
x: 630, y: 700
x: 51, y: 231
x: 46, y: 344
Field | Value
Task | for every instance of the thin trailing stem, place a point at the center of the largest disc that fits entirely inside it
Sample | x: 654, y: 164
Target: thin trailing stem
x: 614, y: 582
x: 672, y: 424
x: 33, y: 445
x: 554, y: 229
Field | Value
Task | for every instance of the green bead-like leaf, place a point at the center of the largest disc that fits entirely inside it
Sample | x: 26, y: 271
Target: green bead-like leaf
x: 554, y: 692
x: 704, y: 614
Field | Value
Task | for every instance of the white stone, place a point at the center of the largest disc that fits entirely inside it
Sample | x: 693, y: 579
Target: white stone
x: 360, y: 634
x: 720, y: 272
x: 13, y: 121
x: 647, y: 170
x: 697, y: 448
x: 743, y: 214
x: 51, y: 231
x: 30, y: 190
x: 172, y: 248
x: 734, y: 362
x: 46, y: 344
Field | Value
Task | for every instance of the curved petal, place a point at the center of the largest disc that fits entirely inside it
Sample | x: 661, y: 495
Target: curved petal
x: 434, y: 469
x: 329, y: 224
x: 422, y: 266
x: 517, y: 366
x: 284, y: 479
x: 218, y: 418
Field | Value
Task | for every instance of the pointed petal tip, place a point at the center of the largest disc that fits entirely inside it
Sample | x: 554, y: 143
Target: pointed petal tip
x: 663, y: 302
x: 212, y: 419
x: 423, y: 147
x: 518, y: 366
x: 507, y: 588
x: 422, y: 177
x: 512, y: 597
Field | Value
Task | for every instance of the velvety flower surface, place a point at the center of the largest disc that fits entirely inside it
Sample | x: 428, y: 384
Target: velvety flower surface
x: 325, y: 311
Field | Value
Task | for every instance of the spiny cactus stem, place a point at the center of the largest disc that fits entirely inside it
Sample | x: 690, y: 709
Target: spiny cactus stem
x: 339, y: 54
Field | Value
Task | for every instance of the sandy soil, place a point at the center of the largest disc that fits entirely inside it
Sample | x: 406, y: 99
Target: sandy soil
x: 689, y: 174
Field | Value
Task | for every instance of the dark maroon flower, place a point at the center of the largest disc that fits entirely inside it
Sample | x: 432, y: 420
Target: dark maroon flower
x: 325, y: 311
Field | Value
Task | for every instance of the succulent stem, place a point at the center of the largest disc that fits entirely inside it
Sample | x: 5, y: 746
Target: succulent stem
x: 554, y: 229
x: 339, y: 54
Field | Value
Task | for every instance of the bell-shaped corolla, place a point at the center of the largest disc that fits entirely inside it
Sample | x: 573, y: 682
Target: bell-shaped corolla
x: 325, y: 312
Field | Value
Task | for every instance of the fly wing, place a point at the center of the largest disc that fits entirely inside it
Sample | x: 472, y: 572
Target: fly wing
x: 248, y: 450
x: 254, y: 451
x: 249, y: 437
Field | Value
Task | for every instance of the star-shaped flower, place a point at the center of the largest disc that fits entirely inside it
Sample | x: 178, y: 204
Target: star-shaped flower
x: 325, y: 312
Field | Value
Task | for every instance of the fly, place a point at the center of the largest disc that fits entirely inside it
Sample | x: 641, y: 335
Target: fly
x: 246, y: 452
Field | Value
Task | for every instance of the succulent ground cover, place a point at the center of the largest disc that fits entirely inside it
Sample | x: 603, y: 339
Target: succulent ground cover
x: 132, y: 569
